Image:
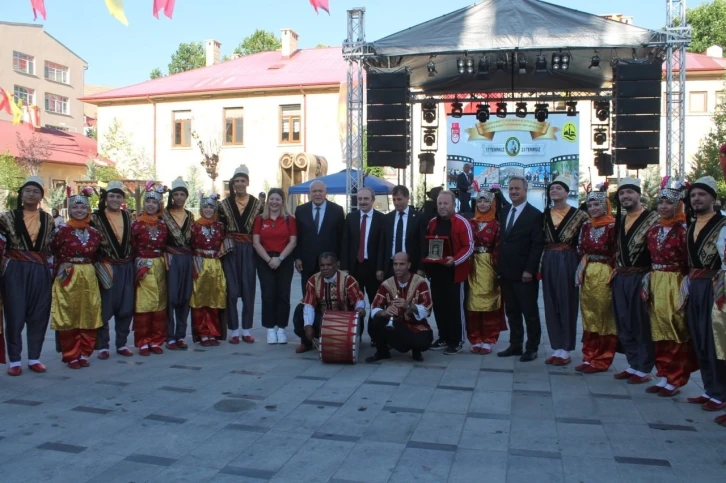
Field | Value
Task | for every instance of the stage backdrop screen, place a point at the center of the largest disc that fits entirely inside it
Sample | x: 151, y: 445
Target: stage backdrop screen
x: 501, y: 148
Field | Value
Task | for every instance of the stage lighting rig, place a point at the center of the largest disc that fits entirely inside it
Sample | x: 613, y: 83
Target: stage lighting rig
x: 483, y: 70
x: 501, y: 63
x: 469, y: 65
x: 595, y: 62
x: 540, y: 65
x: 600, y: 136
x: 429, y: 137
x: 501, y: 109
x: 541, y: 113
x: 521, y: 110
x: 560, y: 61
x: 482, y: 112
x: 571, y: 108
x: 457, y: 109
x: 602, y: 110
x: 428, y: 112
x: 521, y: 64
x: 431, y: 66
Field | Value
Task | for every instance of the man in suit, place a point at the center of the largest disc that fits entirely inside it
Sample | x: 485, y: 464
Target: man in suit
x: 403, y: 231
x: 361, y: 244
x: 319, y: 224
x: 520, y: 249
x: 463, y: 184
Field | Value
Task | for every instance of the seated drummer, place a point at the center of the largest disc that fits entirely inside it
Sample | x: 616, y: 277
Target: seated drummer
x: 404, y: 297
x: 329, y: 289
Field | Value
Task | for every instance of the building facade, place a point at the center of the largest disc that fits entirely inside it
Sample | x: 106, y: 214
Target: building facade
x: 40, y: 70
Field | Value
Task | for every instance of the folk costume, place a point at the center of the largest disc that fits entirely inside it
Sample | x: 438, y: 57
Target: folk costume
x: 596, y: 247
x: 339, y: 292
x: 76, y: 309
x: 209, y: 294
x: 558, y: 267
x: 631, y: 312
x: 3, y: 360
x: 704, y: 241
x: 115, y: 271
x: 179, y: 260
x: 148, y: 237
x: 238, y: 216
x: 26, y: 279
x: 484, y: 306
x: 718, y: 319
x: 409, y: 330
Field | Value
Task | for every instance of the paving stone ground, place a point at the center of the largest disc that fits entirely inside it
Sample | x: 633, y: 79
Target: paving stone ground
x: 252, y: 413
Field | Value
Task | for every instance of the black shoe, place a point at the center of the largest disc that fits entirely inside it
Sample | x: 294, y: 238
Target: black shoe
x: 417, y: 356
x: 438, y: 345
x: 528, y: 356
x: 373, y: 343
x: 378, y: 356
x: 453, y: 349
x: 510, y: 351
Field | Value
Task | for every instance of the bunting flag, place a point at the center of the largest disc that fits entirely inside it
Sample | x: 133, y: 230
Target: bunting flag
x: 5, y: 102
x: 31, y: 115
x: 166, y: 5
x: 17, y: 109
x: 38, y: 7
x: 320, y: 4
x: 116, y: 9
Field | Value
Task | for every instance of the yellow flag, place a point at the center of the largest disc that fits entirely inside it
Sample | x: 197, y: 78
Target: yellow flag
x: 116, y: 9
x: 102, y: 184
x: 17, y: 111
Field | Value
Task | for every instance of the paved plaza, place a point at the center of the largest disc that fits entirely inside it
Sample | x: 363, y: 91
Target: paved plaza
x: 252, y: 413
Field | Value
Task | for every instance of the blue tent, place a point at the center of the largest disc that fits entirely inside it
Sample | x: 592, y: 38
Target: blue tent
x: 336, y: 184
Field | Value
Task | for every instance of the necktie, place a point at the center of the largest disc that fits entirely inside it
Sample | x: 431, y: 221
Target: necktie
x: 362, y: 241
x: 510, y: 222
x: 399, y: 233
x: 316, y: 220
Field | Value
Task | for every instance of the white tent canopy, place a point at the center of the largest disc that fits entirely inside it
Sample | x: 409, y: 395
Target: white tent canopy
x: 511, y: 30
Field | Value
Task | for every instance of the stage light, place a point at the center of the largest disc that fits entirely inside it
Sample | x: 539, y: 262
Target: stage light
x: 560, y: 61
x: 521, y: 110
x: 595, y: 62
x: 556, y: 61
x: 429, y: 137
x: 602, y: 110
x: 600, y: 137
x: 483, y: 70
x: 522, y: 65
x: 431, y: 66
x: 469, y: 65
x: 501, y: 63
x: 541, y: 113
x: 571, y: 108
x: 501, y: 109
x: 540, y: 65
x: 428, y: 111
x: 460, y: 65
x: 457, y: 109
x: 604, y: 163
x: 482, y: 112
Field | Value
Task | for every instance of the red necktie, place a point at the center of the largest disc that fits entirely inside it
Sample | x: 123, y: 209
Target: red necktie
x: 362, y: 242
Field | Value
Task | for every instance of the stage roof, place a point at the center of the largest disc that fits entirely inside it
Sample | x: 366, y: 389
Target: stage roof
x: 507, y: 29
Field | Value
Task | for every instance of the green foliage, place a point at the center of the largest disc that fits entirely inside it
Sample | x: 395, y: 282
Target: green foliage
x: 705, y: 161
x: 708, y: 22
x: 156, y: 73
x: 12, y: 176
x: 650, y: 185
x: 92, y: 132
x: 187, y: 57
x: 259, y: 41
x: 194, y: 186
x: 57, y: 198
x: 131, y: 162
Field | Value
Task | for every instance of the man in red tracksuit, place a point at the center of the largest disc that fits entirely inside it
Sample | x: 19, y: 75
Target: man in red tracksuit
x: 448, y: 278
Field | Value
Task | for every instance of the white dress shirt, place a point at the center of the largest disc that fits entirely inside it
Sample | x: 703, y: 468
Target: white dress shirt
x: 405, y: 225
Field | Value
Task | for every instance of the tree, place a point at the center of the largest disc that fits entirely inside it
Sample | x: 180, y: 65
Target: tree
x: 194, y: 186
x: 92, y: 132
x: 33, y: 152
x: 705, y: 161
x: 155, y: 74
x: 57, y: 198
x: 321, y: 46
x: 131, y: 162
x: 187, y: 57
x: 708, y: 22
x: 259, y: 41
x: 12, y: 175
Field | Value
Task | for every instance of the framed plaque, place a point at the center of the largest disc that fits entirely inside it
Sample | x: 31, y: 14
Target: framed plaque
x: 439, y: 249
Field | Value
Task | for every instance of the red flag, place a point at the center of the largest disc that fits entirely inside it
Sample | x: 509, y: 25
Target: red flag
x: 166, y: 5
x: 322, y: 4
x: 38, y: 8
x: 5, y: 102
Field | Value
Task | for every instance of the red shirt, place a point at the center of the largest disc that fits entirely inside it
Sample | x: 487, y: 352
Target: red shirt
x: 275, y: 234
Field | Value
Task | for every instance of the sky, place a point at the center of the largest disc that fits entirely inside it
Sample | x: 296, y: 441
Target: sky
x: 119, y: 56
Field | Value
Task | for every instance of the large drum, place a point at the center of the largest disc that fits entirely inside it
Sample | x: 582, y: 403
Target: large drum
x: 339, y: 337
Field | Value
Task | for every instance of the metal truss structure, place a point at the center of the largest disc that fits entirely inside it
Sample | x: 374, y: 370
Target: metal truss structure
x: 563, y: 96
x: 677, y: 39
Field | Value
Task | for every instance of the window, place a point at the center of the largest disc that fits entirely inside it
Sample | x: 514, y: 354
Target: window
x: 25, y: 94
x: 233, y: 125
x: 57, y: 104
x: 57, y: 128
x: 56, y: 72
x: 697, y: 102
x: 182, y: 129
x: 23, y: 63
x: 290, y: 123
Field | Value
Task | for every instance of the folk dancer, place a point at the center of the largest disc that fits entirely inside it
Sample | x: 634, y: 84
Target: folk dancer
x: 114, y: 268
x: 3, y: 360
x: 596, y: 247
x: 484, y: 305
x: 27, y: 278
x: 148, y: 236
x: 179, y: 260
x: 562, y: 224
x: 718, y: 314
x: 675, y: 359
x: 399, y: 313
x: 209, y: 294
x: 448, y: 278
x: 238, y: 212
x: 703, y: 240
x: 329, y: 289
x: 632, y: 264
x: 76, y: 307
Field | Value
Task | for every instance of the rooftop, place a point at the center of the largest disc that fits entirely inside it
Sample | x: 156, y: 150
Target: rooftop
x: 306, y: 67
x: 40, y: 26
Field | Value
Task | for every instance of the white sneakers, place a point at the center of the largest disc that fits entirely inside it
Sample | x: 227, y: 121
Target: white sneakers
x: 271, y: 336
x: 276, y: 336
x: 281, y: 336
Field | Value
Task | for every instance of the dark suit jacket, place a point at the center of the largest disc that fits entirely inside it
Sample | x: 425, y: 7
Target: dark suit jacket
x: 520, y: 249
x: 311, y: 244
x: 414, y: 237
x: 351, y: 239
x: 463, y: 183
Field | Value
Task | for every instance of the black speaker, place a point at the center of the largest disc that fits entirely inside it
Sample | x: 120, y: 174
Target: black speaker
x: 388, y: 113
x: 426, y: 163
x: 387, y: 128
x: 398, y: 160
x: 638, y: 72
